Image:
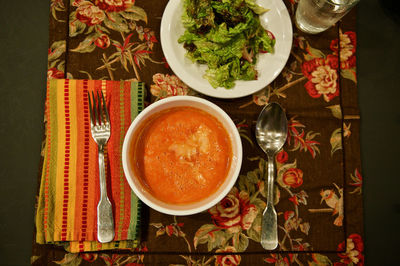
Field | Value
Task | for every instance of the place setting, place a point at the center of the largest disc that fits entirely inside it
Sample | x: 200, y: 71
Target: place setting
x: 200, y: 132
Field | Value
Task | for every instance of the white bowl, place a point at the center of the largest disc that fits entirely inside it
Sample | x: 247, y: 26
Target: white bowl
x: 223, y: 190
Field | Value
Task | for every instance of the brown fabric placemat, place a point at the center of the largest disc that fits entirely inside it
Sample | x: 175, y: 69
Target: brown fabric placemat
x: 319, y: 181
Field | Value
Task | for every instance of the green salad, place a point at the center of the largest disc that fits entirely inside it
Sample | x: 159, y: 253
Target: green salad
x: 227, y: 36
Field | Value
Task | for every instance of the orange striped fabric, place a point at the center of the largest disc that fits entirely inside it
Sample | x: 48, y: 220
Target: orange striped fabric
x: 69, y: 190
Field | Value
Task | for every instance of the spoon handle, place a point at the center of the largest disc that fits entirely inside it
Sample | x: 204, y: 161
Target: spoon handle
x: 269, y: 230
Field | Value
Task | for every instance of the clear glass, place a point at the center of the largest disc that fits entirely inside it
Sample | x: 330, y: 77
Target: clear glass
x: 315, y: 16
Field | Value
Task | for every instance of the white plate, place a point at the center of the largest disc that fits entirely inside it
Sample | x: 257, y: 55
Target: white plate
x: 269, y: 66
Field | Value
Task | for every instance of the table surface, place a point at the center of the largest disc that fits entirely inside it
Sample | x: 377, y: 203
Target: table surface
x: 24, y: 42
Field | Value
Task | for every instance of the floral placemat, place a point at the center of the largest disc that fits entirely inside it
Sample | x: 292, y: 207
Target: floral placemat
x: 319, y: 181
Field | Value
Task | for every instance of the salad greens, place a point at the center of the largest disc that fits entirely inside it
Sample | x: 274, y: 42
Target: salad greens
x: 227, y: 36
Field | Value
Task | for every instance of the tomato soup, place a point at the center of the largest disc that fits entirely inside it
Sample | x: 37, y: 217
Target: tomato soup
x: 181, y: 155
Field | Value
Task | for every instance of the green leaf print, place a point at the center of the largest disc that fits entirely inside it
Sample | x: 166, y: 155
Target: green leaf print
x: 76, y: 27
x: 336, y: 111
x: 86, y: 46
x: 349, y: 74
x: 336, y: 140
x: 240, y: 241
x: 116, y: 22
x: 135, y: 13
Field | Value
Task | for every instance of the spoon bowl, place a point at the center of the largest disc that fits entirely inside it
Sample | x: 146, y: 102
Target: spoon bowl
x: 271, y: 134
x: 271, y: 128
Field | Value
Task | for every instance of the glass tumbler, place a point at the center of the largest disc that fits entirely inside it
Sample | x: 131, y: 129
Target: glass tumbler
x: 315, y: 16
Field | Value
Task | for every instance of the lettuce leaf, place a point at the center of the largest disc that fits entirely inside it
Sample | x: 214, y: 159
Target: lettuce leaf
x: 259, y: 10
x: 227, y: 36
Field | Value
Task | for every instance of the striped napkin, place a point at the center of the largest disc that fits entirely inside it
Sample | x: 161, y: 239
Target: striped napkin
x: 69, y: 190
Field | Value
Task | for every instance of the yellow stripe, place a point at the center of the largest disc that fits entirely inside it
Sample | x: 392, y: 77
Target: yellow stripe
x: 51, y: 140
x: 40, y: 234
x: 60, y: 159
x: 96, y: 246
x: 73, y: 158
x: 87, y: 245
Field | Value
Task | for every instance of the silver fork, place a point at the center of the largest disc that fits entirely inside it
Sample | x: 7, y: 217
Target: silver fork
x: 101, y: 130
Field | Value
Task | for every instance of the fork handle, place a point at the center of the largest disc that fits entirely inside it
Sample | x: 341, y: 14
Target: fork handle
x: 105, y: 220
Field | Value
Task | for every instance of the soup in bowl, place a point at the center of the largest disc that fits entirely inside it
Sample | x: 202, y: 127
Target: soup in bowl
x: 182, y: 155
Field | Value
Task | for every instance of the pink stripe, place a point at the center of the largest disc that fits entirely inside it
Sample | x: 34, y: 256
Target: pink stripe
x: 85, y: 162
x: 66, y: 162
x: 81, y: 249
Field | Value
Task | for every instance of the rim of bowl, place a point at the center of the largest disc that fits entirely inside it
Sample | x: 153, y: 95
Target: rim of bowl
x: 236, y: 161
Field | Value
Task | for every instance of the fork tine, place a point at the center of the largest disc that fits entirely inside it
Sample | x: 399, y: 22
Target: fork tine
x: 92, y: 121
x: 107, y: 117
x: 99, y: 108
x: 95, y: 110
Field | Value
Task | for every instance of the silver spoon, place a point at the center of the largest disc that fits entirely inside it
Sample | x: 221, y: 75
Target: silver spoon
x: 271, y: 133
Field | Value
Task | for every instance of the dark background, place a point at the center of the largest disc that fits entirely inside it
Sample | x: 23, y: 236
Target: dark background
x: 23, y: 65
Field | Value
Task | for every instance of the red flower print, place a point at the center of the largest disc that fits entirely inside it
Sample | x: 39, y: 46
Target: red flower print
x: 111, y: 259
x: 348, y: 42
x: 353, y: 254
x: 88, y: 13
x: 322, y: 77
x: 299, y: 41
x: 234, y: 212
x: 333, y: 61
x: 292, y: 222
x: 301, y: 247
x: 282, y: 157
x: 170, y: 229
x: 277, y: 259
x: 227, y: 259
x: 293, y: 177
x: 103, y: 41
x: 288, y: 215
x: 141, y: 248
x: 114, y: 5
x: 146, y: 34
x: 54, y: 73
x: 166, y: 85
x: 90, y: 257
x: 294, y: 200
x: 260, y: 99
x: 357, y: 182
x: 299, y: 198
x: 300, y: 139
